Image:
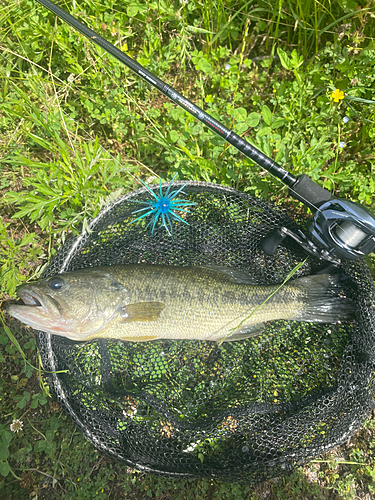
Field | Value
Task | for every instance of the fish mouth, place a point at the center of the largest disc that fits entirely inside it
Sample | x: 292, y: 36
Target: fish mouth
x: 35, y: 305
x: 38, y: 310
x: 30, y: 298
x: 45, y: 302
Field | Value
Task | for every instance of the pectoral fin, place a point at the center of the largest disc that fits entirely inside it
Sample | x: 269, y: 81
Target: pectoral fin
x: 141, y: 311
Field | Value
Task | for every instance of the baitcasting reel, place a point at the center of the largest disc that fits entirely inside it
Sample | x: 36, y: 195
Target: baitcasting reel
x: 339, y: 229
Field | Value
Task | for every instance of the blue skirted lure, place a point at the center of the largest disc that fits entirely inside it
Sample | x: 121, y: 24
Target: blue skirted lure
x: 162, y: 209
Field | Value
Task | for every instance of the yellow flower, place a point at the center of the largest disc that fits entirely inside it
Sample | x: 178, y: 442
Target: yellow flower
x: 338, y: 95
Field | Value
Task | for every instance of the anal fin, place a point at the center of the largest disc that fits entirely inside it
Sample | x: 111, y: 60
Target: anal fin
x: 244, y: 332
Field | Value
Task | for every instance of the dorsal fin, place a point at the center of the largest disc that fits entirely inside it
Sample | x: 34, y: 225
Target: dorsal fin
x: 233, y: 275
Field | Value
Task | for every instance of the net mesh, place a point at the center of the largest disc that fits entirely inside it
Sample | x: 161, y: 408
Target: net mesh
x: 241, y: 411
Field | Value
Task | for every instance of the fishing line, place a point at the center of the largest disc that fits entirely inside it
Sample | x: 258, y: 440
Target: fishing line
x: 123, y: 169
x: 80, y: 126
x: 276, y: 170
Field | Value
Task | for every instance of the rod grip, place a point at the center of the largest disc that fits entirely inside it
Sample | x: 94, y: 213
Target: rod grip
x: 309, y: 192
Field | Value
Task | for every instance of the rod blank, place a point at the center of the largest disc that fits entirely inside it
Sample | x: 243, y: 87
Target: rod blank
x: 231, y: 137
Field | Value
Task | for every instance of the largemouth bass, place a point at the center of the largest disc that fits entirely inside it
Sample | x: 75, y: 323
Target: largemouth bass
x: 140, y: 302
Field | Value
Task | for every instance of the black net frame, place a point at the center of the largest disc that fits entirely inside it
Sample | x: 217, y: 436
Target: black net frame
x: 242, y: 411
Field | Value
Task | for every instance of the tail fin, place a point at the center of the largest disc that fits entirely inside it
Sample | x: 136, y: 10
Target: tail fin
x: 325, y: 300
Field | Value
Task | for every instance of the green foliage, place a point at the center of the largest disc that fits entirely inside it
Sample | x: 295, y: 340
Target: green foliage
x: 18, y: 255
x: 76, y: 127
x: 66, y: 193
x: 63, y: 193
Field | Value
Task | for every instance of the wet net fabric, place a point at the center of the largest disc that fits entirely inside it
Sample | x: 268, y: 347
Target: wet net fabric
x: 241, y: 411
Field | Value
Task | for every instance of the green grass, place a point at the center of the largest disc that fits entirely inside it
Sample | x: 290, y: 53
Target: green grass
x: 76, y: 131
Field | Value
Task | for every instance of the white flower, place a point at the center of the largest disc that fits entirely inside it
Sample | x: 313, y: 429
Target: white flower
x: 192, y: 447
x: 16, y: 426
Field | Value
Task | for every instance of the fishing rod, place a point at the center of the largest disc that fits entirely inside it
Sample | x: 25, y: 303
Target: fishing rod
x: 339, y: 228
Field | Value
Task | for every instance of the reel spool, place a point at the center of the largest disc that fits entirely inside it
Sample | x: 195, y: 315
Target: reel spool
x: 343, y: 228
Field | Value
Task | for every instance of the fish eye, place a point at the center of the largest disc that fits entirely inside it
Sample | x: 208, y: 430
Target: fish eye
x: 56, y: 284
